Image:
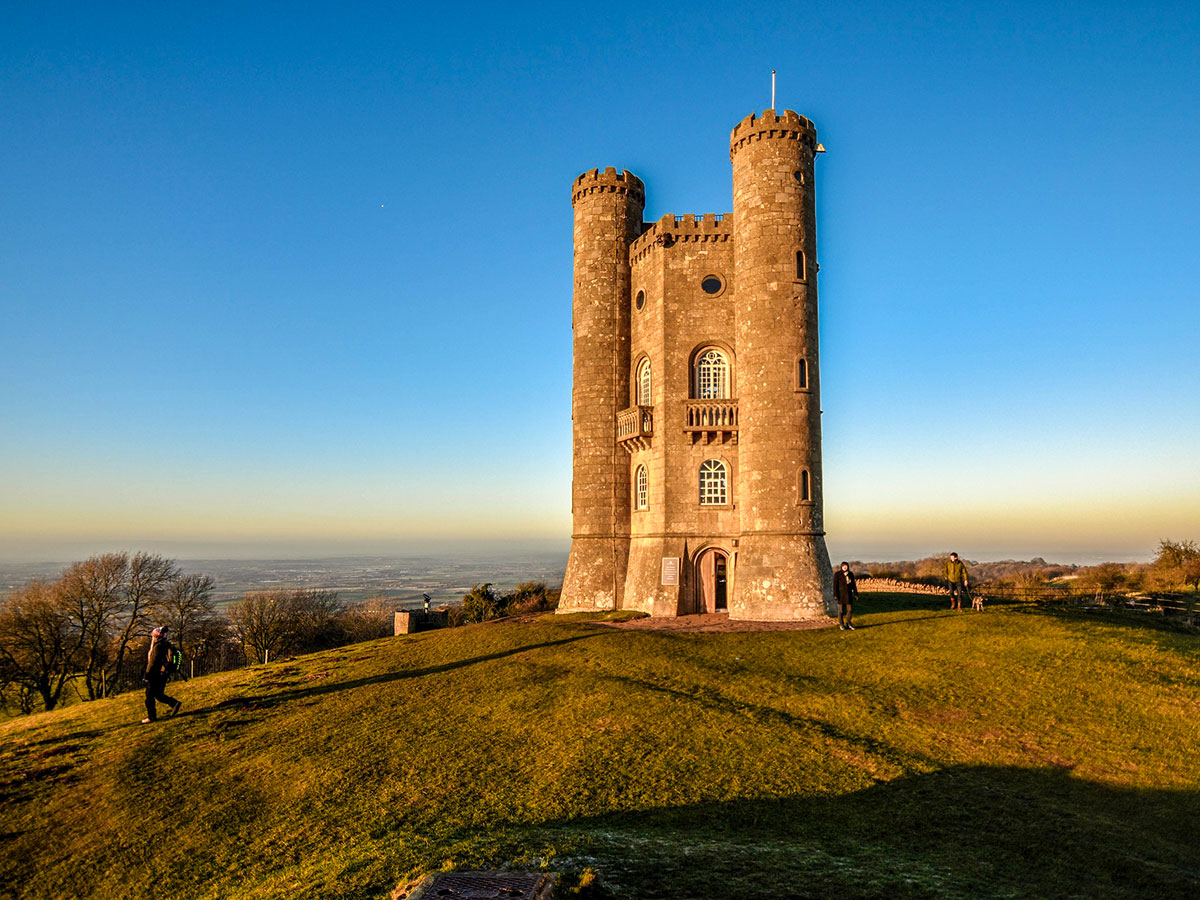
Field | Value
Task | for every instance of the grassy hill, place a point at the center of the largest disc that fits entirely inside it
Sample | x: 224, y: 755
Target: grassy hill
x: 1012, y: 753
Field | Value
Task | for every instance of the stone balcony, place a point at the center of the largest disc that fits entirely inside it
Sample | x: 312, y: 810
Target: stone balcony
x: 635, y: 427
x: 711, y: 421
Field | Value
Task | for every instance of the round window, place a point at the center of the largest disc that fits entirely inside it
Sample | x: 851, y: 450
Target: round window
x: 640, y: 301
x: 799, y: 176
x: 712, y: 284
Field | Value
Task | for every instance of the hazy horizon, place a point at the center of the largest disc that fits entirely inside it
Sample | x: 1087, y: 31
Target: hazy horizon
x: 484, y: 550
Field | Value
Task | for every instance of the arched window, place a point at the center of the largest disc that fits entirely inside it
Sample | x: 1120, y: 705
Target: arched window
x: 712, y: 375
x: 805, y: 486
x: 643, y: 383
x: 640, y: 493
x: 802, y: 375
x: 714, y: 483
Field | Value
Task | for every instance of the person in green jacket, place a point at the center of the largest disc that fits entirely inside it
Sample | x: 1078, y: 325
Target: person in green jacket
x: 956, y: 574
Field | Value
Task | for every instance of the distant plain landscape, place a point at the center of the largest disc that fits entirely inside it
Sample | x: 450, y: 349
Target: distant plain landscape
x: 403, y: 578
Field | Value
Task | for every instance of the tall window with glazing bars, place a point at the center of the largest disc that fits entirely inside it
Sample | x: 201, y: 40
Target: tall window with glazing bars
x: 714, y: 483
x: 712, y: 375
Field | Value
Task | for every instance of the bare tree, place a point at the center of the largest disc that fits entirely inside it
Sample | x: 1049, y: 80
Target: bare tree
x: 314, y: 617
x: 186, y: 605
x: 39, y: 642
x: 213, y: 642
x: 373, y: 618
x: 282, y: 621
x: 112, y: 597
x: 260, y: 620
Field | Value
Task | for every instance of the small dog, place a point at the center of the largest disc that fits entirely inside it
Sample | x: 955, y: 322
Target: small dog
x: 977, y: 602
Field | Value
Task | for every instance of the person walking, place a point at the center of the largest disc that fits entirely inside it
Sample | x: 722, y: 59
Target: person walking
x: 156, y: 675
x: 956, y: 574
x: 845, y: 588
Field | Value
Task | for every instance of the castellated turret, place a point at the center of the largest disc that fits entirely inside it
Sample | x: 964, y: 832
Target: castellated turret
x: 608, y: 218
x: 696, y: 398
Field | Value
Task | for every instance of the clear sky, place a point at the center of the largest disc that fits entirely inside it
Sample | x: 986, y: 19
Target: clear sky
x: 289, y: 277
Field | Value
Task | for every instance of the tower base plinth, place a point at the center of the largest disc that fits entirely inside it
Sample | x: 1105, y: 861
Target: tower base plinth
x: 782, y: 578
x: 595, y: 576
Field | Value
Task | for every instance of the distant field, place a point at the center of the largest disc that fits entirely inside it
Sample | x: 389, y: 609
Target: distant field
x: 445, y: 577
x: 1010, y: 753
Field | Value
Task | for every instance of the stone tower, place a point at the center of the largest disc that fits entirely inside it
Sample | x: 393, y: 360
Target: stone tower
x: 696, y: 401
x: 608, y: 218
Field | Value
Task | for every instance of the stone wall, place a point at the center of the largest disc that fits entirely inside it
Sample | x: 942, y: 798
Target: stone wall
x: 892, y: 586
x: 413, y: 620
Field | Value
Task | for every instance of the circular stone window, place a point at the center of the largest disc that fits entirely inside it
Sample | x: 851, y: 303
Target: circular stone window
x: 712, y: 284
x: 799, y: 176
x: 641, y: 299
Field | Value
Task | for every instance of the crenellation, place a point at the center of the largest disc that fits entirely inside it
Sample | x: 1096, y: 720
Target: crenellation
x: 789, y: 126
x: 610, y: 180
x: 671, y: 229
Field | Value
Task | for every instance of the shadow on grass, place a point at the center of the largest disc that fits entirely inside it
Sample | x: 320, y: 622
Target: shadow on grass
x: 265, y: 701
x: 811, y: 726
x: 959, y: 832
x: 1115, y: 617
x: 859, y: 624
x: 900, y: 602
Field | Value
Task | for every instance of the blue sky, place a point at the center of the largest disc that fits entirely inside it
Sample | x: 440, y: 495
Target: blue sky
x: 300, y: 278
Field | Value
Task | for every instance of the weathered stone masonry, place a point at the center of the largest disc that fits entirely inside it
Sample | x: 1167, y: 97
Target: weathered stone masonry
x: 696, y: 357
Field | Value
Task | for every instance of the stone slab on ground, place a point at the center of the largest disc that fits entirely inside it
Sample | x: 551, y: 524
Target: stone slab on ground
x: 482, y: 885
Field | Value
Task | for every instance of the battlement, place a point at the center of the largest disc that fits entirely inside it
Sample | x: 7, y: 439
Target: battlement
x: 610, y: 180
x: 788, y: 126
x: 671, y: 229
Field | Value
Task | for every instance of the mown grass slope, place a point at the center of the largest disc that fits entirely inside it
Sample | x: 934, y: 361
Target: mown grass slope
x: 1011, y: 753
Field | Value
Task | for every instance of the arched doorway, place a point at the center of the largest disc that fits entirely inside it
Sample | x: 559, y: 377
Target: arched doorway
x: 712, y: 581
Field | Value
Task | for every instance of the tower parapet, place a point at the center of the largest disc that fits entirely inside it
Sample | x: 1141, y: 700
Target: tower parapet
x: 671, y: 230
x: 608, y: 181
x: 790, y: 126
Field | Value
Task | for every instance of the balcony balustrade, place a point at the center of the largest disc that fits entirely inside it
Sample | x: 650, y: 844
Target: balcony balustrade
x: 710, y: 420
x: 635, y: 426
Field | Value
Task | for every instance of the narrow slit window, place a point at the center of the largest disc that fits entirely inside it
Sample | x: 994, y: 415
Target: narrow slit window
x: 802, y: 375
x: 805, y: 486
x: 801, y: 267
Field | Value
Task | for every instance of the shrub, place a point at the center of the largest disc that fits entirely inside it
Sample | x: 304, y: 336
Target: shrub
x: 530, y: 597
x: 481, y: 604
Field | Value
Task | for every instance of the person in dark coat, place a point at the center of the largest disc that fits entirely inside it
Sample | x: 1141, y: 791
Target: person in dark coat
x: 156, y: 675
x: 845, y: 588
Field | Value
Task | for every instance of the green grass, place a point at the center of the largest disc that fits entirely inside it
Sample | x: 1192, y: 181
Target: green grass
x: 1013, y: 753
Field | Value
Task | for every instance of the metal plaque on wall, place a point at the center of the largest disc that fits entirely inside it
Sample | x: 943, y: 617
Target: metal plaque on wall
x: 670, y: 570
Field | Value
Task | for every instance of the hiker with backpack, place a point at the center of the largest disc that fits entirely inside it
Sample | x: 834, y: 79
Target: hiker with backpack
x: 162, y: 662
